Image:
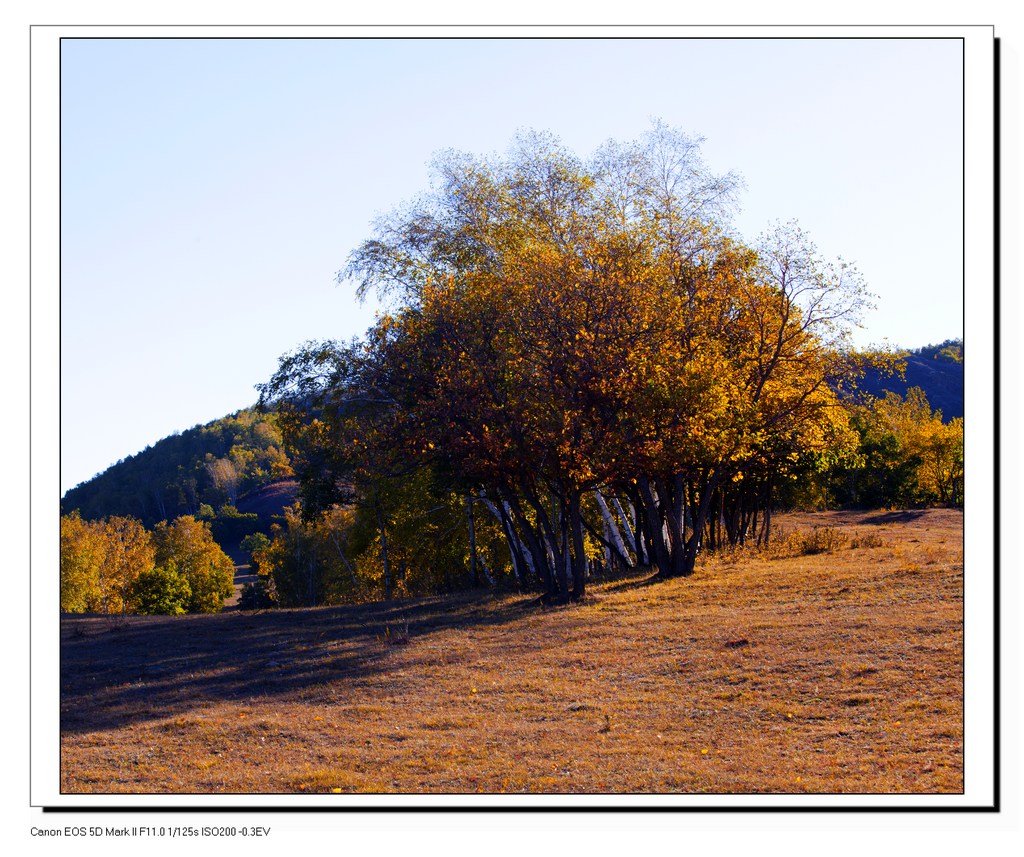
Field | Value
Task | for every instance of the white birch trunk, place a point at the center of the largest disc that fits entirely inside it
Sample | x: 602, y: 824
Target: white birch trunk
x: 514, y: 540
x: 523, y: 549
x: 611, y: 527
x: 627, y: 525
x: 487, y: 570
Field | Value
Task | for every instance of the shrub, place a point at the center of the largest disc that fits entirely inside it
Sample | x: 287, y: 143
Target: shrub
x: 824, y: 540
x: 258, y: 595
x: 867, y: 540
x: 161, y: 591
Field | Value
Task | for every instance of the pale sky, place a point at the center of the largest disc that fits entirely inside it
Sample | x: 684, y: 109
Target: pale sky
x: 210, y: 189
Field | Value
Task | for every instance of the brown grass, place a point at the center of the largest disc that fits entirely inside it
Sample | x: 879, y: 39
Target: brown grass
x: 836, y: 670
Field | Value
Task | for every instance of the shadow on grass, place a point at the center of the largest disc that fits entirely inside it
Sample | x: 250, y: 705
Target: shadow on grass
x: 904, y: 516
x: 644, y: 577
x: 118, y: 671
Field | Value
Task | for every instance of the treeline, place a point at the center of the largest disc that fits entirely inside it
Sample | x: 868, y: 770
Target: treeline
x: 581, y: 354
x: 906, y: 456
x: 117, y: 566
x: 197, y: 472
x: 949, y: 350
x: 582, y: 369
x: 437, y: 540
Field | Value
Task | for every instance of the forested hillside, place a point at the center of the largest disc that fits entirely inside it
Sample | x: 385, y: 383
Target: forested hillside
x: 197, y: 472
x: 936, y: 369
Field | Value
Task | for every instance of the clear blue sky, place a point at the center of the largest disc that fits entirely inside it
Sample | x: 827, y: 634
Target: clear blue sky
x: 210, y: 189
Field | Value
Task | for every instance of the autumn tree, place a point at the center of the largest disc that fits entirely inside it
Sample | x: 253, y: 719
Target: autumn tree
x: 340, y: 422
x: 941, y: 448
x: 82, y: 555
x: 225, y: 476
x: 100, y: 562
x: 188, y: 546
x: 788, y: 363
x: 535, y: 301
x: 128, y: 553
x: 374, y: 516
x: 934, y: 449
x: 569, y: 337
x: 595, y: 325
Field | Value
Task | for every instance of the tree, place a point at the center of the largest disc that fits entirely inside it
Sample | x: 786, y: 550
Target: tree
x: 906, y: 455
x: 128, y: 553
x: 82, y: 555
x: 161, y: 591
x: 933, y: 448
x: 188, y: 545
x: 100, y: 561
x: 941, y: 448
x: 257, y: 593
x: 537, y: 306
x: 225, y: 476
x: 560, y: 327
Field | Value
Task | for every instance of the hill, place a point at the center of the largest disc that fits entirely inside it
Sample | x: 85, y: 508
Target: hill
x: 267, y: 502
x: 936, y: 369
x: 200, y: 472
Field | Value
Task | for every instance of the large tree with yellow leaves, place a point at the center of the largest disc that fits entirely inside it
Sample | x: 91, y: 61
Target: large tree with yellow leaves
x: 566, y: 338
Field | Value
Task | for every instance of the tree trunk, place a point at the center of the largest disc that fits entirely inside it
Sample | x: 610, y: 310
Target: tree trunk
x: 613, y: 530
x: 474, y: 573
x: 344, y: 559
x: 562, y: 554
x: 487, y: 572
x: 522, y: 562
x: 579, y: 567
x: 384, y: 553
x: 533, y: 543
x: 694, y: 543
x: 637, y: 506
x: 628, y: 530
x: 672, y: 503
x: 523, y: 551
x: 654, y: 525
x: 553, y: 558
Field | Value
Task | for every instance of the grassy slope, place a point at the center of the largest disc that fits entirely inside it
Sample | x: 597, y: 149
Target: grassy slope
x: 835, y: 673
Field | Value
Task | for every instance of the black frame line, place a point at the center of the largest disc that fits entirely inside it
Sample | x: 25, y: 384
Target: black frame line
x: 996, y: 379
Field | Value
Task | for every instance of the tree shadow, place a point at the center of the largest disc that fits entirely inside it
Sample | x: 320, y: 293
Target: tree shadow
x: 119, y: 671
x: 903, y: 516
x: 647, y: 577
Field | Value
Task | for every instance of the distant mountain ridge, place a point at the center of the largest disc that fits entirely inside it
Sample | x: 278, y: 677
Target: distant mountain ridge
x: 936, y: 369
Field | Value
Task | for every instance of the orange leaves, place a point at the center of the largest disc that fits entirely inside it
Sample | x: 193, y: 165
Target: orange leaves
x: 564, y: 324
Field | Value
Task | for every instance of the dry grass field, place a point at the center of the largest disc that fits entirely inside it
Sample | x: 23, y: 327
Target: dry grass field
x: 832, y: 664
